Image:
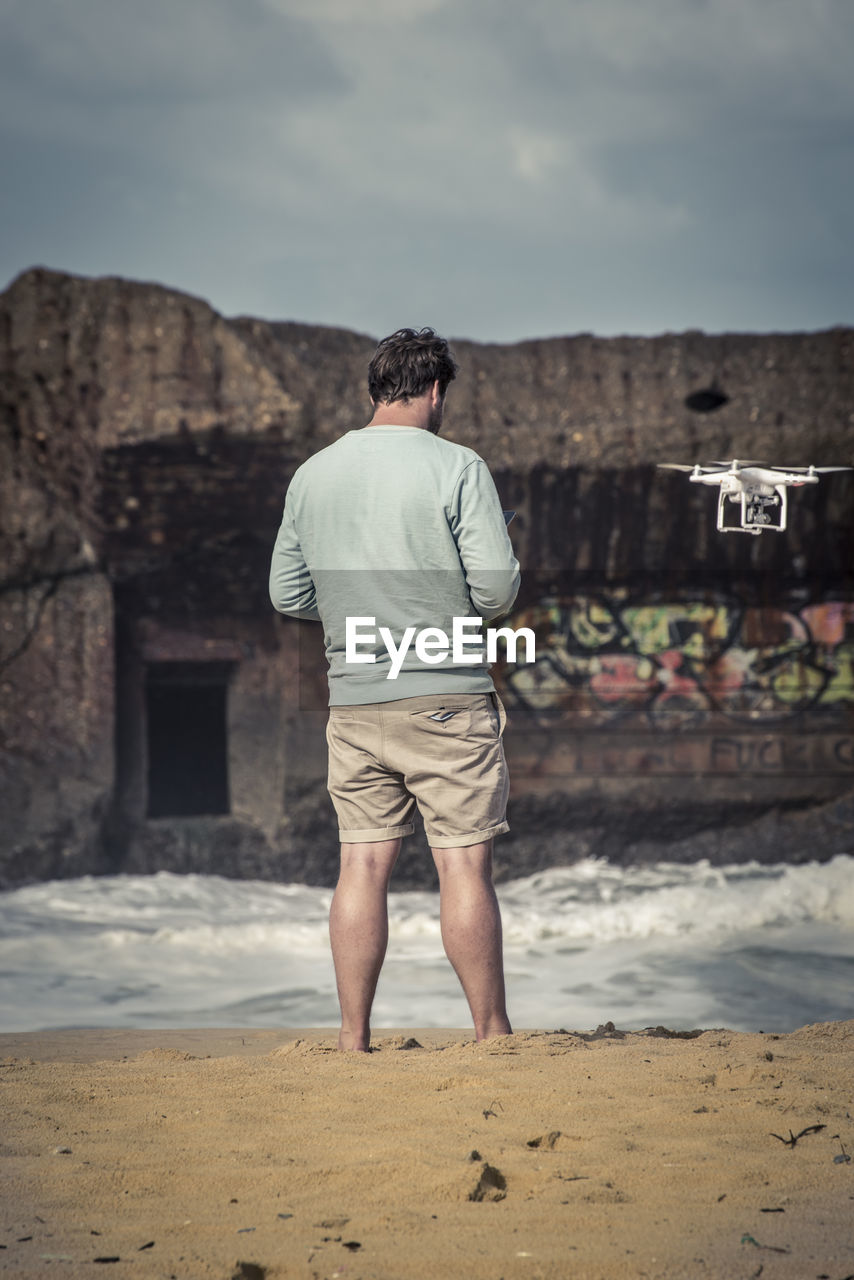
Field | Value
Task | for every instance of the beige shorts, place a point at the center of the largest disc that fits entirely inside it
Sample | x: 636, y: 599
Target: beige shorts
x: 442, y: 752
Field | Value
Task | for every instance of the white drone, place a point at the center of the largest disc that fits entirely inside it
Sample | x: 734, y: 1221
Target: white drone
x: 758, y: 489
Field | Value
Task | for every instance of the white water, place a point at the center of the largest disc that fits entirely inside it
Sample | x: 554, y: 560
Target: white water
x: 746, y: 947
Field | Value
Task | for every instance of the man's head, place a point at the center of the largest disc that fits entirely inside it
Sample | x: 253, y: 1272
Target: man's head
x: 407, y: 364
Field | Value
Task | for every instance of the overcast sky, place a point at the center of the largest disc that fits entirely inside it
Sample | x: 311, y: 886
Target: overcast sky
x: 500, y: 169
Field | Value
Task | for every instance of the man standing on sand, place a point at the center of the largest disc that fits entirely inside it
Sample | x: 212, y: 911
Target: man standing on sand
x: 388, y: 535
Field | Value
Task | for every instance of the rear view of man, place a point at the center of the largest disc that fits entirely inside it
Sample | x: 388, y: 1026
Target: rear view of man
x: 388, y: 536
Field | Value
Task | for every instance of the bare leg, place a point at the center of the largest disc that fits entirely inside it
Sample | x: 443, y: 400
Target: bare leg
x: 471, y: 932
x: 358, y: 931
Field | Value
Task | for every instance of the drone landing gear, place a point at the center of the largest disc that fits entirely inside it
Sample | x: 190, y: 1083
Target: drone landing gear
x: 757, y: 511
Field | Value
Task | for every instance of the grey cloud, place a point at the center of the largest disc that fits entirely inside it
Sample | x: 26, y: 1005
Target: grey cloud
x: 624, y: 69
x: 498, y: 169
x: 164, y: 50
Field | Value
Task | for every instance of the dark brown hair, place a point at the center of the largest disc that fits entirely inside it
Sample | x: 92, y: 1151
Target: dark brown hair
x: 407, y: 363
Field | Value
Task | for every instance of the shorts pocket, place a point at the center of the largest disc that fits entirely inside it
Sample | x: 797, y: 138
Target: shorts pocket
x: 445, y: 718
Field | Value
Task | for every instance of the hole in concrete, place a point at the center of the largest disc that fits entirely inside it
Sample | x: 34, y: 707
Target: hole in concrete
x: 706, y: 400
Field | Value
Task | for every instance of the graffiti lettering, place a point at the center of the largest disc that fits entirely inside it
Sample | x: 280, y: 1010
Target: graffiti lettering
x: 604, y: 754
x: 684, y: 664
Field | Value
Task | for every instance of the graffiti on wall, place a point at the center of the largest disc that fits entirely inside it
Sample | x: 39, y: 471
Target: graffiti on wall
x: 684, y: 664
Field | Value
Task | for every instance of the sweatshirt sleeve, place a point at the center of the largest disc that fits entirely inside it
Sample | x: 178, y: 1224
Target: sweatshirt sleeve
x: 485, y: 550
x: 292, y: 589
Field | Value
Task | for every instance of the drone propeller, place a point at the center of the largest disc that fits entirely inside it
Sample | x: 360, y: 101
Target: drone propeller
x: 736, y: 463
x: 684, y: 466
x: 818, y: 471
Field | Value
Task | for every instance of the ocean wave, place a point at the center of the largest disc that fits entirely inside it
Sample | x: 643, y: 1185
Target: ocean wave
x: 590, y: 941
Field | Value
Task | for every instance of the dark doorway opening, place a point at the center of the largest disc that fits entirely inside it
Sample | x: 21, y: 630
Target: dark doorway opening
x: 187, y: 738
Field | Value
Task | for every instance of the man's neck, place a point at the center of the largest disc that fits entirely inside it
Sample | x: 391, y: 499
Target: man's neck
x: 424, y: 411
x: 401, y: 413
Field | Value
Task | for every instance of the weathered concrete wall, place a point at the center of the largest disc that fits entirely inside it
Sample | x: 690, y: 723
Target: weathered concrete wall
x: 686, y: 685
x: 56, y: 726
x: 56, y: 606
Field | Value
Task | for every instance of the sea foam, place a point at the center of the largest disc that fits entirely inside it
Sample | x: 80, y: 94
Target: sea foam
x: 740, y: 946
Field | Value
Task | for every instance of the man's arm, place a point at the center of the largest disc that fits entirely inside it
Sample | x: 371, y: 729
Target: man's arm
x: 477, y: 523
x: 291, y: 586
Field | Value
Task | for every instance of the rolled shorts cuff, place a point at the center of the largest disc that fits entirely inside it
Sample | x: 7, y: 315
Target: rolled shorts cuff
x: 372, y: 835
x: 463, y: 842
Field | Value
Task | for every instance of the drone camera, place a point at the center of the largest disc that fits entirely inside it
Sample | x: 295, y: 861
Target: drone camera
x: 757, y: 512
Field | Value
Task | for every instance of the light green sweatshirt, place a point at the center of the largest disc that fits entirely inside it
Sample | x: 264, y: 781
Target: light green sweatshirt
x: 396, y: 525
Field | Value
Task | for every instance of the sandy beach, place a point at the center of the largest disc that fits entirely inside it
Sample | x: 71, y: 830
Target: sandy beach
x: 263, y: 1154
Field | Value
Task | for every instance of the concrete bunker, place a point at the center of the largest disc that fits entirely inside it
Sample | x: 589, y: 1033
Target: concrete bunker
x: 682, y: 684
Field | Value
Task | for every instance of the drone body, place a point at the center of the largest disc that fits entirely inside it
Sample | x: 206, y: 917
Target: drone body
x: 758, y: 490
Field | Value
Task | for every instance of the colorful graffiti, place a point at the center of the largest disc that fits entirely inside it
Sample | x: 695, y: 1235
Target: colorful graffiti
x: 684, y: 664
